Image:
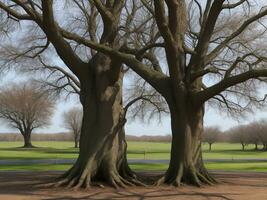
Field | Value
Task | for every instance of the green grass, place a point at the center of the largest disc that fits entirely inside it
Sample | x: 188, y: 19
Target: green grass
x: 250, y: 167
x: 45, y: 150
x: 136, y: 150
x: 219, y: 151
x: 49, y: 167
x: 35, y: 167
x: 232, y: 151
x: 243, y: 166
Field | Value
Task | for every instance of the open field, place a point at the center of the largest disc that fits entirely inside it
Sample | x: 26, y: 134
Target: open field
x: 136, y: 150
x: 241, y: 166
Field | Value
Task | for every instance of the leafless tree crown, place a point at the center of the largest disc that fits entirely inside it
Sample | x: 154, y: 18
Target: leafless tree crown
x: 25, y: 107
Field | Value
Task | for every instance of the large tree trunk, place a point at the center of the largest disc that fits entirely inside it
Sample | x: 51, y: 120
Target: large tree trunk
x: 27, y: 140
x: 186, y: 164
x: 102, y: 156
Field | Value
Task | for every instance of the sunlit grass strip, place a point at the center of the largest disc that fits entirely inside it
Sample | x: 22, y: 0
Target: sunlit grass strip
x: 136, y: 150
x: 245, y: 166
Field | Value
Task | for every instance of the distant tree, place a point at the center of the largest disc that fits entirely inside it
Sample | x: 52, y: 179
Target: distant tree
x: 211, y: 135
x: 261, y: 130
x: 239, y: 134
x: 25, y: 107
x: 253, y: 131
x: 73, y: 122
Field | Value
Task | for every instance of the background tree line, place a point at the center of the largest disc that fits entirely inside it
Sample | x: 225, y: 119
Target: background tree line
x: 68, y: 136
x: 254, y: 133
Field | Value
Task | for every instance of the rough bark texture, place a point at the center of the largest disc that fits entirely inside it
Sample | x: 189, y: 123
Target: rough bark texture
x: 102, y: 156
x: 27, y: 140
x: 186, y: 164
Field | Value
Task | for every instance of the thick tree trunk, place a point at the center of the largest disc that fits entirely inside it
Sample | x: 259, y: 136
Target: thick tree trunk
x: 186, y: 164
x: 210, y: 146
x: 27, y: 140
x: 256, y: 146
x: 102, y: 156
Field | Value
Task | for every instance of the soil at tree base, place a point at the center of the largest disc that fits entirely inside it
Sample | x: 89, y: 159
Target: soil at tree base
x: 234, y: 185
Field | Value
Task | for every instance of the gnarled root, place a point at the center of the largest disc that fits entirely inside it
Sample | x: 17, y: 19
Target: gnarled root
x: 189, y: 176
x: 75, y: 179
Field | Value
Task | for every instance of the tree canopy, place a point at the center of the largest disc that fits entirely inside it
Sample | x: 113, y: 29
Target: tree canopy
x: 25, y: 107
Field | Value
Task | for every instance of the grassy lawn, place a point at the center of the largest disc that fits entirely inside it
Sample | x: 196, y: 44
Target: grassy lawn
x: 250, y: 167
x: 136, y: 150
x: 219, y: 151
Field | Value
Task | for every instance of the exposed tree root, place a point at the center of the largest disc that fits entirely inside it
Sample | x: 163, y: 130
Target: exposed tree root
x: 189, y: 177
x: 75, y: 180
x: 204, y: 173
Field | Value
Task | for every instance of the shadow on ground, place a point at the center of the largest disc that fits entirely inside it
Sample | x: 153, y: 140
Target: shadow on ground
x: 234, y: 186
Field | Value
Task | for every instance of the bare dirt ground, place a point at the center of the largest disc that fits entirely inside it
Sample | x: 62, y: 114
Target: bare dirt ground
x: 25, y: 185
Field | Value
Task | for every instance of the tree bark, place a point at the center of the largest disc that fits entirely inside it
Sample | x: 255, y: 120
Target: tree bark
x: 210, y: 146
x: 102, y: 156
x: 27, y: 140
x: 186, y: 164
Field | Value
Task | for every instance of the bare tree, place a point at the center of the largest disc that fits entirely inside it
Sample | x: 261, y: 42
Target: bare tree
x: 240, y: 135
x: 211, y: 135
x: 197, y: 49
x: 261, y: 132
x: 253, y: 133
x: 25, y: 107
x: 96, y: 77
x: 73, y: 122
